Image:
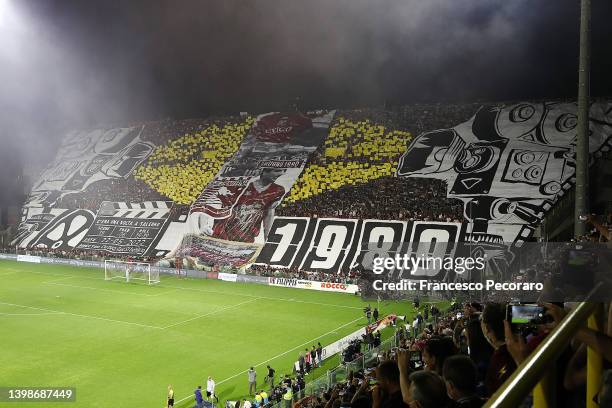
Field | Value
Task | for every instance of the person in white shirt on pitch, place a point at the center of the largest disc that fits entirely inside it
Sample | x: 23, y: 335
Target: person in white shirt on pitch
x: 210, y: 389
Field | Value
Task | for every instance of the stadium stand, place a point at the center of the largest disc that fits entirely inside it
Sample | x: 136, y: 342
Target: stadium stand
x: 181, y: 168
x: 352, y: 176
x: 358, y: 161
x: 453, y: 361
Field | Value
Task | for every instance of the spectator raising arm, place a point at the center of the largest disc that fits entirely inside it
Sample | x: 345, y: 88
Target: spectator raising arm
x: 598, y: 341
x: 403, y: 362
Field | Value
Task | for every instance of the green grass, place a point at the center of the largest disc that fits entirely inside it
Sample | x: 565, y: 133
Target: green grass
x: 121, y: 344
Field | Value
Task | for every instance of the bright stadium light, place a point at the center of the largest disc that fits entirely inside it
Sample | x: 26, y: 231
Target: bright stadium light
x: 5, y: 13
x: 10, y: 20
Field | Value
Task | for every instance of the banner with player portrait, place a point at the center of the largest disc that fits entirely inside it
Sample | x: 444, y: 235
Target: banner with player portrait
x: 238, y: 205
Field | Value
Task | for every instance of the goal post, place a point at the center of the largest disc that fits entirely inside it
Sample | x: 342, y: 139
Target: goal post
x: 130, y: 271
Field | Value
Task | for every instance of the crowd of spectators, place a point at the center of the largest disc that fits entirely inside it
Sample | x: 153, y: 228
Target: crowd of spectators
x: 346, y: 277
x: 462, y: 357
x: 354, y: 153
x: 74, y: 253
x: 599, y: 229
x: 350, y: 175
x: 181, y: 167
x: 386, y: 198
x: 353, y: 172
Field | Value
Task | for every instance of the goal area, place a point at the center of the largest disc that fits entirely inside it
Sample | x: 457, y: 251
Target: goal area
x: 130, y: 271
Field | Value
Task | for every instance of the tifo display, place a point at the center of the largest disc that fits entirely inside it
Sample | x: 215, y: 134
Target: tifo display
x: 295, y: 190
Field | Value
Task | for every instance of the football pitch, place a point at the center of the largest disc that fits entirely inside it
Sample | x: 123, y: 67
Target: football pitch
x: 120, y: 344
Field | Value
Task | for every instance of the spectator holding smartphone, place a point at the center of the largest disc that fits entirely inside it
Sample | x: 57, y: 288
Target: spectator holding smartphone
x: 501, y: 365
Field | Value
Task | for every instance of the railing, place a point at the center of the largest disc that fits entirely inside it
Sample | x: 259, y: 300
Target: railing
x: 531, y: 373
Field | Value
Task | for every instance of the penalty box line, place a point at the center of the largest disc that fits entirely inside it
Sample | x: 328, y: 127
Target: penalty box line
x: 279, y: 355
x: 82, y: 315
x: 55, y: 282
x: 210, y: 313
x: 58, y: 312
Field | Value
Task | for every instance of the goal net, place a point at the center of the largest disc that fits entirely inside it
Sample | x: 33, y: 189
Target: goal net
x: 130, y: 271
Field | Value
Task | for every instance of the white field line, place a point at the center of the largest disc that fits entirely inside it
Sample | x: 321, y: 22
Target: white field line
x: 210, y: 313
x: 30, y: 314
x: 59, y: 279
x: 103, y: 289
x: 8, y: 273
x: 203, y: 290
x: 279, y: 355
x: 82, y: 315
x: 42, y: 273
x: 218, y: 310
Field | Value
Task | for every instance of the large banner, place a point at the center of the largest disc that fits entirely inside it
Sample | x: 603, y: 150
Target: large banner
x: 86, y: 157
x: 508, y: 164
x: 53, y: 228
x: 83, y: 159
x: 238, y: 205
x: 127, y: 228
x: 331, y: 245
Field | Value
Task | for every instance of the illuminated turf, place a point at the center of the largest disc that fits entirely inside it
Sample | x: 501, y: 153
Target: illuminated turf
x: 121, y: 344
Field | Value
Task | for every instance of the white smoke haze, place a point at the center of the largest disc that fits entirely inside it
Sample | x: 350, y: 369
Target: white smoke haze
x: 68, y: 64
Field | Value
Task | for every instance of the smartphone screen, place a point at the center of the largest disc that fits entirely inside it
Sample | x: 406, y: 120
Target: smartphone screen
x: 525, y: 314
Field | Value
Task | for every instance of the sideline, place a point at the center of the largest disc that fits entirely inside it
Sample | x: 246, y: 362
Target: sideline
x: 279, y: 355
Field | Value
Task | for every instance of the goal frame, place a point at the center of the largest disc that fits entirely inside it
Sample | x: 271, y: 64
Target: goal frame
x: 131, y: 272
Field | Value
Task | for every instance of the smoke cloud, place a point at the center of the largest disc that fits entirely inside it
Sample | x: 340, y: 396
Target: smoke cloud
x: 70, y: 64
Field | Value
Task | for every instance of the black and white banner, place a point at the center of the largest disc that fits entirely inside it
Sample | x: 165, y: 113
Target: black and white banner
x: 508, y: 164
x: 333, y: 244
x: 57, y: 229
x: 87, y: 157
x: 127, y: 228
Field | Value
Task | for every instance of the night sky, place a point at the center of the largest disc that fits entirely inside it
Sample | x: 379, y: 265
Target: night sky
x: 78, y: 63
